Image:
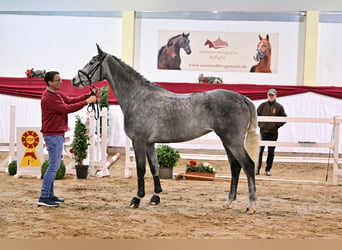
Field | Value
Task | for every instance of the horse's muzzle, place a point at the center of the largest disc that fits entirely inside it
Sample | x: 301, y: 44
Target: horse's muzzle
x: 76, y: 83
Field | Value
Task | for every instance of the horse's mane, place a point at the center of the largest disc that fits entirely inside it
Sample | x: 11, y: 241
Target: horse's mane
x: 161, y: 50
x: 172, y: 38
x: 168, y: 44
x: 137, y: 76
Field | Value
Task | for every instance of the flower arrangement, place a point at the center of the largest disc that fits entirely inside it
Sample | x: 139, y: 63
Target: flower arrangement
x: 204, y: 167
x: 209, y: 79
x: 31, y: 73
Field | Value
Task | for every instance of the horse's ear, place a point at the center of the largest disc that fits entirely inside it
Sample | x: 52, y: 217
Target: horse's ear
x: 260, y: 37
x: 267, y: 37
x: 99, y: 50
x: 186, y: 35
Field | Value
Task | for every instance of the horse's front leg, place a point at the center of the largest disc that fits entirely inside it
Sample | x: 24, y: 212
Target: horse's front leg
x: 153, y: 162
x: 140, y: 159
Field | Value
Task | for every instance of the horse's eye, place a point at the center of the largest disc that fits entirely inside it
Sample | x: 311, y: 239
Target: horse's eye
x: 91, y: 63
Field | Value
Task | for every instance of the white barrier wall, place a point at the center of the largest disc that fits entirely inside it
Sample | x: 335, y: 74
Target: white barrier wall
x: 301, y: 105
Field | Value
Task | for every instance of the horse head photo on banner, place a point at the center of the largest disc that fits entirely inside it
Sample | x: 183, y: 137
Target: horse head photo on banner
x: 263, y: 56
x: 154, y: 115
x: 169, y: 54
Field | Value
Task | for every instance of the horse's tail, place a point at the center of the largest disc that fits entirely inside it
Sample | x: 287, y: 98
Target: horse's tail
x: 252, y: 138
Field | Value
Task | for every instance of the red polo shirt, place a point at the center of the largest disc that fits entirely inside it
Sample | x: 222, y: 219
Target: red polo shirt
x: 55, y: 109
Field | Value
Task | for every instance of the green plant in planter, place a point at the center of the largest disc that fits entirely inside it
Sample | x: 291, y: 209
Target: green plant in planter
x: 104, y: 103
x: 104, y: 97
x: 12, y: 168
x: 80, y: 141
x: 60, y: 172
x: 167, y: 156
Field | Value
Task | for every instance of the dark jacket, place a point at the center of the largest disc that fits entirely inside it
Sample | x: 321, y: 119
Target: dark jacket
x: 270, y: 109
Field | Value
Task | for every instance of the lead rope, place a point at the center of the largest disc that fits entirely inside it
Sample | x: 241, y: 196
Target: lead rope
x: 93, y: 107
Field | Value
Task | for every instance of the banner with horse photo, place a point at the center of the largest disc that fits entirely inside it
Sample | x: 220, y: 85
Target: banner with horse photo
x: 218, y: 51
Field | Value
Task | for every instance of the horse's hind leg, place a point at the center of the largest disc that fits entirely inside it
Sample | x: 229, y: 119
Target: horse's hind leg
x: 153, y: 162
x: 235, y: 171
x: 241, y: 157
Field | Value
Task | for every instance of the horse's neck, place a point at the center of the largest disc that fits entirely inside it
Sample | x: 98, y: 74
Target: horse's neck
x: 176, y: 48
x: 125, y: 82
x: 266, y: 60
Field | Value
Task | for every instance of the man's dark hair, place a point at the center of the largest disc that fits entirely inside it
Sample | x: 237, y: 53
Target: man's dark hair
x: 49, y: 76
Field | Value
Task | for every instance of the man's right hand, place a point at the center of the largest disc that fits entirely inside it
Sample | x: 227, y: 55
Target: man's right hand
x: 91, y: 99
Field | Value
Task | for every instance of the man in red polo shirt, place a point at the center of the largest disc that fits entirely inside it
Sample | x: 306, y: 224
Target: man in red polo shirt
x: 55, y: 109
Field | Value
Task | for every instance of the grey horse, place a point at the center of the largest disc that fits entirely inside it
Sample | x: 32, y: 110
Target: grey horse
x: 153, y: 114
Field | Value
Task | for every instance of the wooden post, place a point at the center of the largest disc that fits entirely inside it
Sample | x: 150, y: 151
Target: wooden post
x: 127, y: 55
x: 310, y: 47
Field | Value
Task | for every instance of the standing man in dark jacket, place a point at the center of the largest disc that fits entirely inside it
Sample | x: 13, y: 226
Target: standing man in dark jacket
x: 269, y: 130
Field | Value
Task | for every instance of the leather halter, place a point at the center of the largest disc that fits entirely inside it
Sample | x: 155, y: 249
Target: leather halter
x: 92, y: 72
x: 92, y: 106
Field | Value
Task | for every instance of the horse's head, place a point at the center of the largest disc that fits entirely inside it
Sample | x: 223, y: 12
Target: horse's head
x: 91, y: 72
x: 185, y: 43
x: 180, y: 41
x: 209, y: 43
x: 263, y: 48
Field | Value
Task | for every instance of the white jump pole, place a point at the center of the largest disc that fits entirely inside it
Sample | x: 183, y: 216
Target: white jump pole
x: 11, y: 156
x: 104, y: 172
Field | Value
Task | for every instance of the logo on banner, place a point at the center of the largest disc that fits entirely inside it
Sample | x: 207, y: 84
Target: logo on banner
x: 30, y: 140
x: 217, y: 44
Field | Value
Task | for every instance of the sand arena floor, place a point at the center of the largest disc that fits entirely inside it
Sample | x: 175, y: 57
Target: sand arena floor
x: 97, y: 208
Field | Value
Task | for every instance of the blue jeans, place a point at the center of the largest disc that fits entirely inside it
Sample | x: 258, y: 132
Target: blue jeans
x: 54, y: 145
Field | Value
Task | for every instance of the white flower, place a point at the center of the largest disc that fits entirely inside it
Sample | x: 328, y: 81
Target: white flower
x: 206, y: 164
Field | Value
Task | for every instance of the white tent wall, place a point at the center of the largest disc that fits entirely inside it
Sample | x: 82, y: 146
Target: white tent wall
x: 65, y: 43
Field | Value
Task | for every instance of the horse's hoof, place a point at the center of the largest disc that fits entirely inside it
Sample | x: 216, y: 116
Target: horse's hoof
x: 250, y: 210
x: 135, y: 203
x: 228, y: 204
x: 155, y: 200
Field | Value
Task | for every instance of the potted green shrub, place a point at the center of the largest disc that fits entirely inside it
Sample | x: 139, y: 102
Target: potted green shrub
x: 167, y: 159
x: 12, y: 167
x: 80, y: 146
